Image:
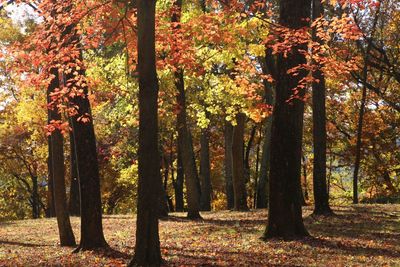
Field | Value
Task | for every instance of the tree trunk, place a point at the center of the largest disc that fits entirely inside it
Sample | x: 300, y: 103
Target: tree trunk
x: 185, y: 138
x: 51, y: 212
x: 304, y: 192
x: 178, y: 184
x: 262, y: 186
x: 285, y: 211
x: 321, y: 197
x: 228, y: 135
x: 35, y: 197
x: 239, y: 179
x: 88, y: 173
x: 362, y: 111
x: 268, y: 68
x: 163, y: 212
x: 257, y: 170
x: 147, y: 248
x: 205, y: 171
x: 56, y: 146
x: 250, y: 142
x: 74, y: 199
x: 87, y: 166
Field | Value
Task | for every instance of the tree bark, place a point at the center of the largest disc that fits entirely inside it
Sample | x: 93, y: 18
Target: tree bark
x: 262, y: 186
x: 178, y: 184
x: 56, y: 146
x: 228, y: 136
x: 285, y: 211
x: 74, y: 196
x: 321, y: 197
x: 147, y: 248
x: 239, y: 179
x: 51, y: 212
x: 35, y: 197
x: 205, y: 171
x: 268, y: 67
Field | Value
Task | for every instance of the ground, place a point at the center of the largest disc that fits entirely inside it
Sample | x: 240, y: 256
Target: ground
x: 358, y: 235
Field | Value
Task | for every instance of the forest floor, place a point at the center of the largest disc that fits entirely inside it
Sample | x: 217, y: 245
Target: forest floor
x: 358, y: 235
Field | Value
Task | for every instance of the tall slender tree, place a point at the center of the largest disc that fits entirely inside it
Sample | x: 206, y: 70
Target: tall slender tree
x: 239, y: 179
x: 360, y: 124
x: 192, y: 181
x: 178, y: 183
x: 56, y: 155
x: 205, y: 174
x: 321, y: 197
x: 147, y: 248
x: 228, y: 162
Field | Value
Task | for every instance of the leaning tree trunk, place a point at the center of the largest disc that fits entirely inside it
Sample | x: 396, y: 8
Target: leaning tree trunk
x: 88, y: 172
x: 285, y: 211
x: 184, y: 136
x: 205, y: 174
x: 81, y: 122
x: 74, y: 199
x: 192, y: 181
x: 56, y: 147
x: 178, y: 183
x: 321, y: 197
x: 239, y: 179
x: 147, y: 248
x: 228, y: 135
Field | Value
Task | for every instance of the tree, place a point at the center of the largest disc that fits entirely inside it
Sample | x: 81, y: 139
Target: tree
x: 147, y: 248
x: 321, y: 197
x: 205, y: 174
x: 284, y: 211
x: 74, y: 195
x: 268, y: 68
x: 364, y: 80
x: 228, y: 164
x: 56, y: 156
x: 239, y: 179
x: 184, y: 135
x: 178, y: 183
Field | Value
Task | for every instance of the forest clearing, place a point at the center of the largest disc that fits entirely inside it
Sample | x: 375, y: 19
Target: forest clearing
x: 199, y: 133
x: 361, y: 235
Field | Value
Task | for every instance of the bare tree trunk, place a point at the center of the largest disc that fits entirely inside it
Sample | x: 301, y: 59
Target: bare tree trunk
x: 147, y: 248
x: 51, y: 212
x: 321, y: 197
x: 257, y: 168
x: 205, y: 171
x: 268, y: 68
x: 228, y: 135
x: 74, y: 196
x: 239, y: 179
x: 35, y: 197
x: 178, y: 184
x: 262, y: 188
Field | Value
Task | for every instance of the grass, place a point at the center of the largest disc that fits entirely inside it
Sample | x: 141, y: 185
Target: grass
x: 359, y: 235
